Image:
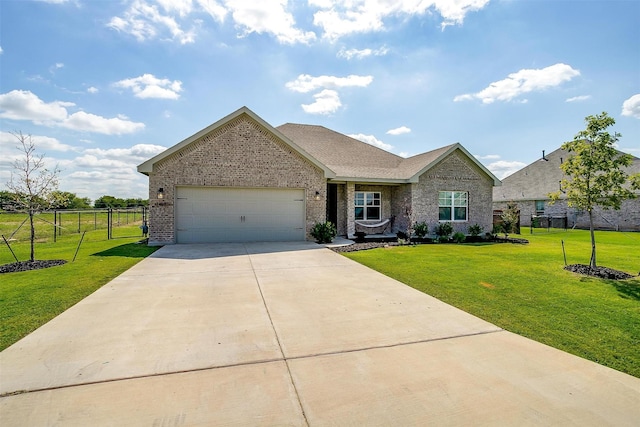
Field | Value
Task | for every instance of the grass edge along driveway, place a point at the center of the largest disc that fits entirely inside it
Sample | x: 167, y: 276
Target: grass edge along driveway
x: 524, y: 289
x: 30, y: 299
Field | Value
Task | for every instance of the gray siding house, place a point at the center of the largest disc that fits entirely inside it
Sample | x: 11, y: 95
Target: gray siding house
x: 240, y: 179
x: 529, y: 188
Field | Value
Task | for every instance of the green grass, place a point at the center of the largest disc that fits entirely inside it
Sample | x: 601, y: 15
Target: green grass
x: 13, y: 224
x: 524, y: 289
x: 30, y: 299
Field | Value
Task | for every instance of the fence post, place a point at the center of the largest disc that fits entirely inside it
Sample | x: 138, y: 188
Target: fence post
x: 78, y: 222
x: 55, y: 223
x: 95, y: 220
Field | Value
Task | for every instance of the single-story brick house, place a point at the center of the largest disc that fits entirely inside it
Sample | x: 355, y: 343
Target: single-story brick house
x: 240, y: 179
x: 529, y: 190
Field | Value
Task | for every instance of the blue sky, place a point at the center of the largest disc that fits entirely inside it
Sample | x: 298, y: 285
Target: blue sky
x: 103, y: 85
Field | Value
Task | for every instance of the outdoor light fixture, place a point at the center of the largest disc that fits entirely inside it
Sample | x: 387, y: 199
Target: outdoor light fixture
x: 317, y: 196
x: 160, y: 193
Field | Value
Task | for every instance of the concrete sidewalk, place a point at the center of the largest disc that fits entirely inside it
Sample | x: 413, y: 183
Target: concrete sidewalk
x: 290, y: 334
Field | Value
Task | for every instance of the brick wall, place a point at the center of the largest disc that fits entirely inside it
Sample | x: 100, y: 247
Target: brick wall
x: 454, y: 173
x: 241, y: 153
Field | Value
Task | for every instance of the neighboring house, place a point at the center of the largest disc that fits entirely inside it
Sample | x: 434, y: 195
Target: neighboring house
x: 529, y: 189
x: 240, y: 179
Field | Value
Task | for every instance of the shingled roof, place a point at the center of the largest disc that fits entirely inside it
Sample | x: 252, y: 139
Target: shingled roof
x: 536, y: 180
x: 351, y: 159
x: 340, y: 157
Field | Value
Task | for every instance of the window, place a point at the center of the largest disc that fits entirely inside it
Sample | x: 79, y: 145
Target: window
x: 539, y: 207
x: 367, y: 205
x: 452, y: 206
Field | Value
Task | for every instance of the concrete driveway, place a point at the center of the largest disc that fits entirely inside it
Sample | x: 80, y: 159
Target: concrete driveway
x: 290, y: 334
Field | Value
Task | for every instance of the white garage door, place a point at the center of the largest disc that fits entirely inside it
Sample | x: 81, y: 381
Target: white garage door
x: 239, y: 214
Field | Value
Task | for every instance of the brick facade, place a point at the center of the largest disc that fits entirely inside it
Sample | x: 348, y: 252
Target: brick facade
x: 241, y: 153
x: 454, y: 173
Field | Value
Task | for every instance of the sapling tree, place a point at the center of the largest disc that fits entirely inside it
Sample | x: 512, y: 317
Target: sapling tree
x: 32, y: 184
x: 510, y: 218
x: 594, y: 172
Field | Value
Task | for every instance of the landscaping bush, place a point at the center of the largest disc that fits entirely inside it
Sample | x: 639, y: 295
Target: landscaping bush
x: 421, y: 229
x: 443, y: 231
x: 324, y: 232
x: 459, y: 237
x: 475, y: 230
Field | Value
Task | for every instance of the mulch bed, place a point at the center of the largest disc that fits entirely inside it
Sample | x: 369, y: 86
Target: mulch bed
x: 373, y: 245
x: 30, y: 265
x: 363, y: 246
x: 600, y: 272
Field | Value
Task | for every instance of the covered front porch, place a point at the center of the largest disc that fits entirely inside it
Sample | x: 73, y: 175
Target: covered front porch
x: 377, y: 210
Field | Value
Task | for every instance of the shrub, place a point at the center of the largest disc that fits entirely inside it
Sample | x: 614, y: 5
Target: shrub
x: 459, y: 237
x: 444, y: 229
x: 421, y: 229
x: 324, y: 232
x: 475, y: 230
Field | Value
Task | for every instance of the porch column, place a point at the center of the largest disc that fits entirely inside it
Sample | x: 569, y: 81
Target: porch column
x: 351, y: 215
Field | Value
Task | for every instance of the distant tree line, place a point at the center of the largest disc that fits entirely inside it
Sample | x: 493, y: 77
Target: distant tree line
x: 68, y: 200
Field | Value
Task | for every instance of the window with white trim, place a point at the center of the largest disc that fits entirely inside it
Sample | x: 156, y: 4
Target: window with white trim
x: 539, y: 207
x: 367, y: 205
x: 453, y: 205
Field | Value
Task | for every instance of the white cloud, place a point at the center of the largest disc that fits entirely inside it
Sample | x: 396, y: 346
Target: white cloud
x: 24, y: 105
x: 372, y: 140
x: 267, y: 16
x: 631, y: 107
x: 326, y: 102
x: 1, y: 51
x: 523, y: 81
x: 488, y: 157
x: 92, y: 89
x: 144, y: 21
x: 97, y: 171
x: 42, y: 143
x: 214, y: 9
x: 454, y: 12
x: 149, y: 86
x: 578, y: 98
x: 503, y: 168
x: 361, y: 53
x: 137, y: 153
x: 339, y: 18
x: 87, y: 122
x: 181, y: 7
x: 399, y: 131
x: 306, y: 83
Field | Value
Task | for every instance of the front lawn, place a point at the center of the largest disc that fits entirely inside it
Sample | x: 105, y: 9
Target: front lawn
x: 31, y: 298
x: 524, y: 289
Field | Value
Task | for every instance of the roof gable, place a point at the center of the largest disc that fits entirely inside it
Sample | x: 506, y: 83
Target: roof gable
x: 147, y: 167
x: 337, y: 155
x: 352, y: 159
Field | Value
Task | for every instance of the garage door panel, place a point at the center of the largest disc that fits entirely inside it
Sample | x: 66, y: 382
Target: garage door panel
x: 239, y: 215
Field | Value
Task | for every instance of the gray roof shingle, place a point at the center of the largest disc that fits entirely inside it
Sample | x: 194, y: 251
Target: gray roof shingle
x: 351, y: 158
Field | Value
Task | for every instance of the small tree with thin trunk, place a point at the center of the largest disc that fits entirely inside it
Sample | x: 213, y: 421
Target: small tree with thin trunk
x: 510, y: 218
x: 32, y: 184
x: 594, y: 171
